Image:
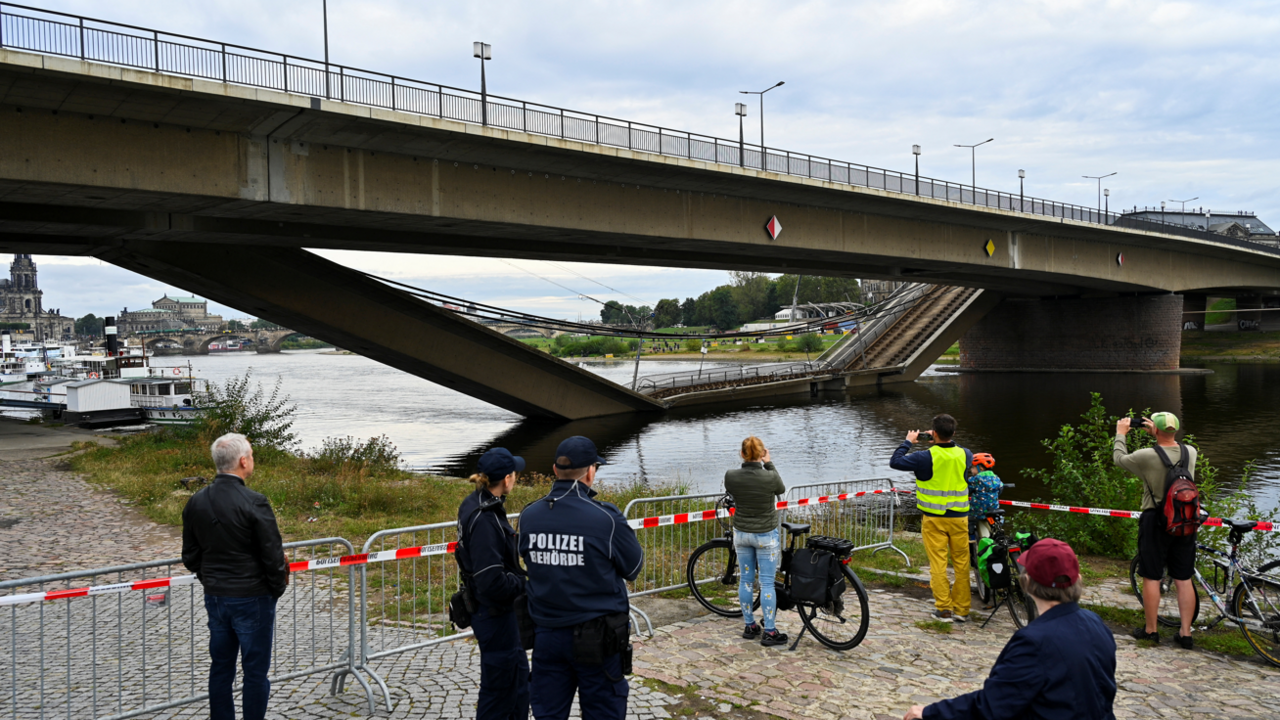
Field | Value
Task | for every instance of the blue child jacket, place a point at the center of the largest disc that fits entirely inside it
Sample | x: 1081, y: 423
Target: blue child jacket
x: 579, y: 553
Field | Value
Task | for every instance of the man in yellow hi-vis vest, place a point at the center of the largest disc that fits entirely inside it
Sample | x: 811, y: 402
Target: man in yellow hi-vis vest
x: 943, y: 496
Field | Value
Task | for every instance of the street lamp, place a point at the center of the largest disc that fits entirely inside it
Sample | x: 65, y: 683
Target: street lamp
x: 1099, y: 179
x: 740, y: 109
x: 915, y: 150
x: 973, y: 157
x: 1162, y: 211
x: 325, y: 9
x: 763, y: 155
x: 1106, y: 199
x: 1184, y: 203
x: 484, y: 51
x: 1022, y: 175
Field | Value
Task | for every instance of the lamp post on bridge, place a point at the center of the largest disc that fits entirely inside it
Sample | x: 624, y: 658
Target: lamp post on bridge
x: 328, y: 95
x: 1099, y: 179
x: 740, y: 109
x: 484, y: 51
x: 764, y: 156
x: 915, y: 150
x: 973, y: 167
x: 1022, y: 204
x: 1161, y: 212
x: 1184, y: 205
x: 1106, y: 199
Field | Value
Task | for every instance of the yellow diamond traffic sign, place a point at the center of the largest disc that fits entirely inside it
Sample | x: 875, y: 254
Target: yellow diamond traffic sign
x: 990, y: 247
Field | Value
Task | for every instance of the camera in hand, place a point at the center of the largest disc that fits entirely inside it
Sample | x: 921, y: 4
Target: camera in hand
x: 924, y: 435
x: 1136, y: 421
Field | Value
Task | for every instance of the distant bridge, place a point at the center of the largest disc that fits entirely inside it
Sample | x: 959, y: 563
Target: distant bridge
x: 264, y: 341
x: 515, y: 329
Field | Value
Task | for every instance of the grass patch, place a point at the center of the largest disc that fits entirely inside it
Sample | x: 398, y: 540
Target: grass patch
x: 887, y: 579
x: 1219, y: 318
x: 1230, y: 344
x: 890, y: 560
x: 936, y: 626
x: 1220, y: 639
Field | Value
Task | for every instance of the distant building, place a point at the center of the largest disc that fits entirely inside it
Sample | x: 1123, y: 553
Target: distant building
x: 1239, y: 225
x: 874, y: 291
x: 170, y: 313
x: 22, y: 301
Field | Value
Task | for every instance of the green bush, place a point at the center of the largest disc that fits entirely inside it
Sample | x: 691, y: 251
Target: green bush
x: 692, y: 345
x: 809, y: 343
x: 1082, y: 473
x: 242, y: 406
x: 376, y: 455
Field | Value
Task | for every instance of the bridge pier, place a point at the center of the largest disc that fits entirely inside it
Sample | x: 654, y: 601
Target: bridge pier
x: 1193, y: 308
x: 1130, y: 333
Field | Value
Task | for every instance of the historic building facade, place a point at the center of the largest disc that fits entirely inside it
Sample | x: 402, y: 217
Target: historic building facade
x: 170, y: 313
x: 22, y: 301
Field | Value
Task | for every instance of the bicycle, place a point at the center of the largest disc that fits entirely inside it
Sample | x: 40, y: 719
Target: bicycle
x: 984, y: 528
x: 712, y: 574
x: 1021, y: 607
x: 1255, y: 601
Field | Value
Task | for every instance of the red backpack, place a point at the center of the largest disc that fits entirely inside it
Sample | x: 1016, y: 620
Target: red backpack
x: 1181, y: 506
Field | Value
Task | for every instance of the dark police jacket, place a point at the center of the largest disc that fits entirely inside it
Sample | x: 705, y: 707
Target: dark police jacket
x: 487, y: 551
x: 231, y: 542
x: 1061, y: 666
x: 579, y: 553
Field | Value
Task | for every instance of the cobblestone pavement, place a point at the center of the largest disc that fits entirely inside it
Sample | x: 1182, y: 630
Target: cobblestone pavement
x: 900, y: 665
x: 51, y: 521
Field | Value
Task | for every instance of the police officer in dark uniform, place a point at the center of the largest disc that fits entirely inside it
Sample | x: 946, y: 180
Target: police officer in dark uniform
x: 487, y: 555
x: 580, y: 553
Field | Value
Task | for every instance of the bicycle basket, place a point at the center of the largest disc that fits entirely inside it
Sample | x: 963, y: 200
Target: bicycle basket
x: 836, y: 546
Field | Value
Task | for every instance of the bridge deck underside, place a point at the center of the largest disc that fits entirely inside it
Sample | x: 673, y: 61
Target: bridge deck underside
x: 300, y: 290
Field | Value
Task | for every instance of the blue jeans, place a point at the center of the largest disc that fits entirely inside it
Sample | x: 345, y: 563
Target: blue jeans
x: 504, y: 670
x: 241, y: 626
x: 758, y: 552
x: 556, y: 675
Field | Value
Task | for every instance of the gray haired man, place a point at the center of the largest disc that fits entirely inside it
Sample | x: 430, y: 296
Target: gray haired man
x: 231, y: 542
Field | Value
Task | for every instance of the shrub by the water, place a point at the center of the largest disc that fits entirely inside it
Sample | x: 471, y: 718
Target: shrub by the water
x: 1082, y: 473
x: 809, y: 343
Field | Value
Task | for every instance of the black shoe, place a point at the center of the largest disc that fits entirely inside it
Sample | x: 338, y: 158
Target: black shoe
x: 772, y: 637
x: 752, y: 631
x: 1184, y: 641
x: 1140, y: 633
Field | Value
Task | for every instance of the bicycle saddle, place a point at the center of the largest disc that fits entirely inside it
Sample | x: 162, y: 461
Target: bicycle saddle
x: 1242, y: 526
x: 795, y: 529
x: 994, y: 513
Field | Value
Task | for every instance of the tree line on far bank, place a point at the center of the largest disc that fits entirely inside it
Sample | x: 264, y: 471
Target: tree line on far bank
x: 747, y: 297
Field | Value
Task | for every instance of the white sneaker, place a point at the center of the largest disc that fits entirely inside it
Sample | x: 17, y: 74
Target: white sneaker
x: 943, y: 615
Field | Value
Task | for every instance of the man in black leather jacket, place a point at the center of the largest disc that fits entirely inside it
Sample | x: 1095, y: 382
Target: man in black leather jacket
x: 231, y: 542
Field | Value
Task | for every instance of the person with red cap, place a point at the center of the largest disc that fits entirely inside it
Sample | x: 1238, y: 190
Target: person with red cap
x: 1062, y: 666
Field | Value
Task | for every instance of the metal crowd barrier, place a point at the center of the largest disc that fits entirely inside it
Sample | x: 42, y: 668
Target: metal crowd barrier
x: 667, y: 547
x: 119, y: 655
x: 867, y: 520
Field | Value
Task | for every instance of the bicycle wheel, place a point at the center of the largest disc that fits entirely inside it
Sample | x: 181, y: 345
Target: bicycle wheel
x: 712, y: 575
x: 1168, y: 614
x: 842, y: 624
x: 1265, y: 609
x: 1022, y: 608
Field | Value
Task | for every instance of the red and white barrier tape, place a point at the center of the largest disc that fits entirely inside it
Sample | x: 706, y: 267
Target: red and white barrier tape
x: 400, y: 554
x: 1131, y: 514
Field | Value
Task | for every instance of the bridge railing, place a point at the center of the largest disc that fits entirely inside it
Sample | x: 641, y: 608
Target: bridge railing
x: 53, y: 33
x: 739, y: 375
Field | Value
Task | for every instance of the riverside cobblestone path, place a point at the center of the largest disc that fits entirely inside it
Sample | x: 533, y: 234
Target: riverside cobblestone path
x: 900, y: 665
x: 52, y: 521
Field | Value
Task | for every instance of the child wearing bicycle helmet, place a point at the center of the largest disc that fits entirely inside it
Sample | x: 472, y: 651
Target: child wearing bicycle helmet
x: 984, y: 489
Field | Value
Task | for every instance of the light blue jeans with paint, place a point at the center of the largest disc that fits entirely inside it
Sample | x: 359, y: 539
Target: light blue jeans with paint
x: 758, y: 553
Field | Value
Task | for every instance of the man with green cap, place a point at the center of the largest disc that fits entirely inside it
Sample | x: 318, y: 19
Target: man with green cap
x: 1158, y: 549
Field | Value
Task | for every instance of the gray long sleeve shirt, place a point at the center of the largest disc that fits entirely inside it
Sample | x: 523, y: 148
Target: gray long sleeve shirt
x: 1146, y: 464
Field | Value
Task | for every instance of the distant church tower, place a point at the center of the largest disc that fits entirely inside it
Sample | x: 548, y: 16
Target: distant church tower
x: 24, y: 296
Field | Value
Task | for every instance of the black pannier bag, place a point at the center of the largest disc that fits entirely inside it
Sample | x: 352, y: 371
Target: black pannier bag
x: 811, y: 573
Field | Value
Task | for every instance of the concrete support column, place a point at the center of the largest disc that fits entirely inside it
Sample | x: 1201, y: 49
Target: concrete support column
x: 1246, y: 320
x: 1124, y: 333
x: 1193, y: 307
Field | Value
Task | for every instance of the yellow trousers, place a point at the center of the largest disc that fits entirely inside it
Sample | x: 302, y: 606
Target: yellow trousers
x: 947, y: 539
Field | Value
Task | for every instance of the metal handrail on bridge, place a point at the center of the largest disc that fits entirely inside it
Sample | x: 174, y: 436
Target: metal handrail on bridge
x: 104, y: 41
x: 898, y: 303
x: 772, y: 372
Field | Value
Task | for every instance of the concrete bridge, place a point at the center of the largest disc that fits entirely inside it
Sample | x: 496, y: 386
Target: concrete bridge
x: 264, y: 341
x: 216, y: 186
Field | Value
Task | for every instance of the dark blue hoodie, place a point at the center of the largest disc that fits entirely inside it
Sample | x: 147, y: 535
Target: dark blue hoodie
x: 579, y: 553
x: 487, y: 551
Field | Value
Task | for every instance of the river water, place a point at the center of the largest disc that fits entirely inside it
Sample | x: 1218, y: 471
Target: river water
x: 835, y: 436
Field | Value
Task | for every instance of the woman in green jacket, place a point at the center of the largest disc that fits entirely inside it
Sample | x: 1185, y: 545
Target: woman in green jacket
x: 755, y: 488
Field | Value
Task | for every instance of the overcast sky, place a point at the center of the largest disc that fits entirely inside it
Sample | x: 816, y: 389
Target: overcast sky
x: 1179, y: 98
